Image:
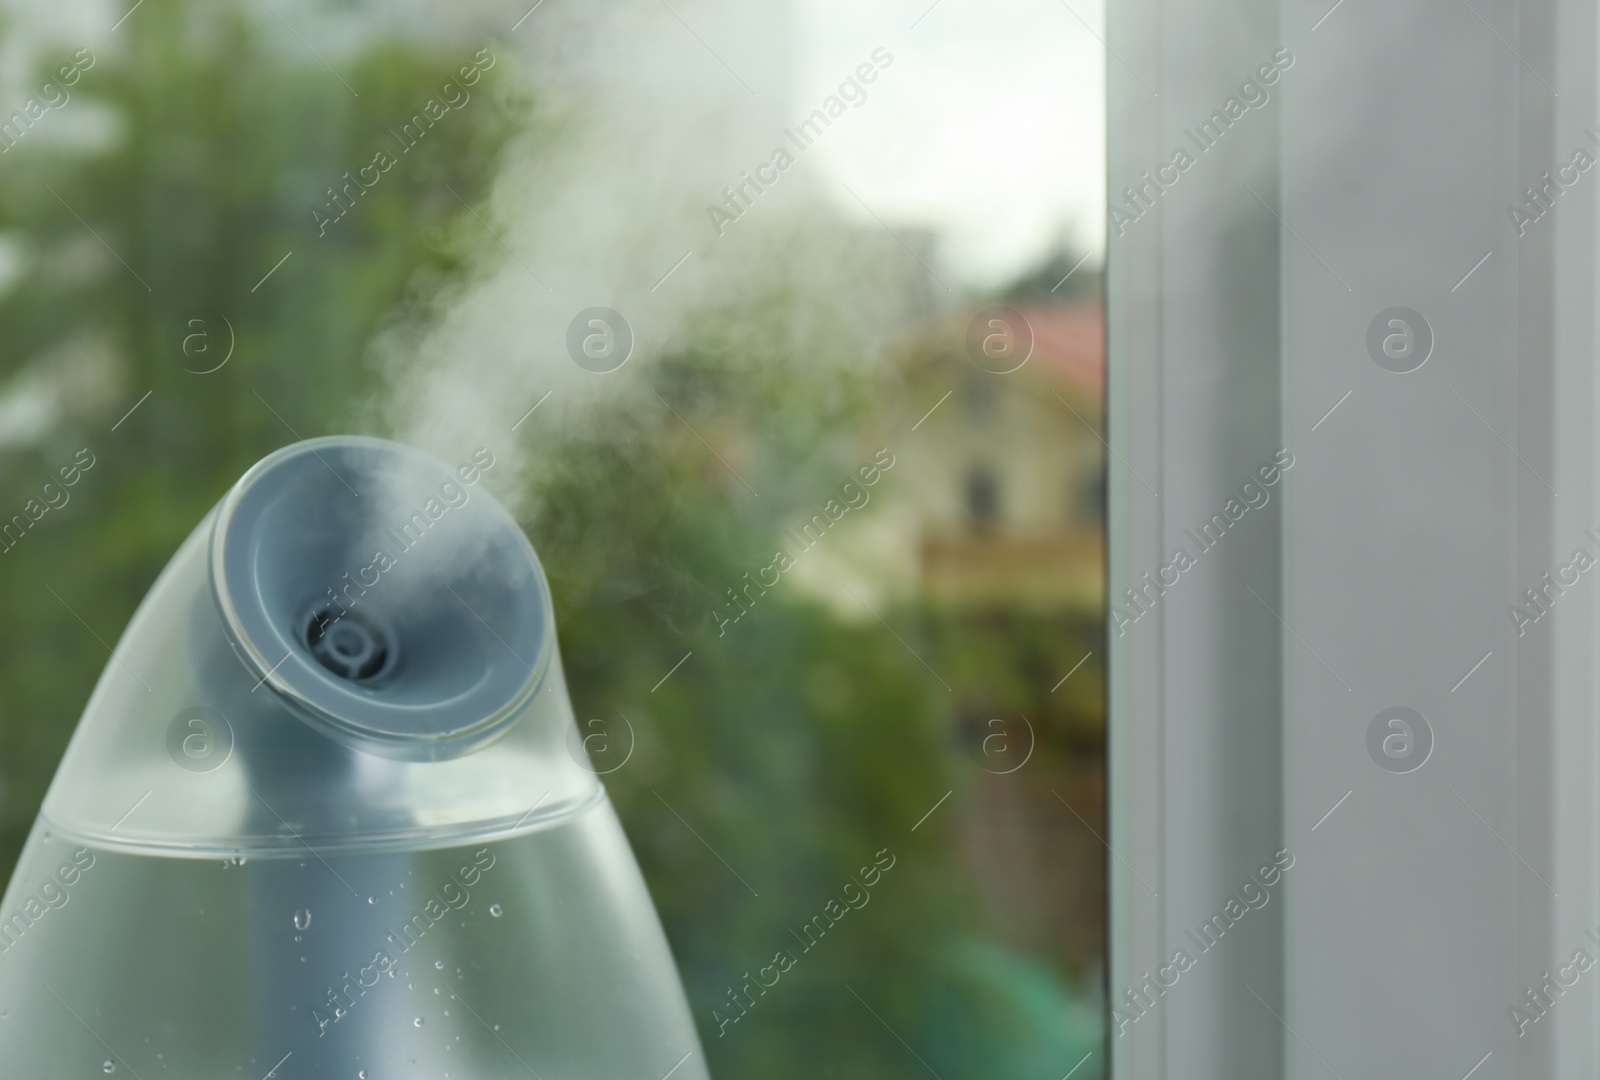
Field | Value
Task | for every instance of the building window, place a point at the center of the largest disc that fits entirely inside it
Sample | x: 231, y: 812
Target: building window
x: 1086, y: 501
x: 983, y: 497
x: 981, y: 395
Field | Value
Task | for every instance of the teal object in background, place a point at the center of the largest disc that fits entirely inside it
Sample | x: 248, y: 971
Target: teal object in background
x: 1030, y: 1022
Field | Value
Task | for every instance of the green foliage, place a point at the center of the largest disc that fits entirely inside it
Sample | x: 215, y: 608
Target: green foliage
x: 1063, y: 276
x: 785, y: 753
x: 220, y: 143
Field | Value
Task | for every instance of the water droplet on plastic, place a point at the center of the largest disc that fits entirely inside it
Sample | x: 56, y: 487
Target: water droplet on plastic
x: 496, y: 910
x: 372, y: 899
x: 302, y: 920
x: 417, y: 1022
x: 362, y: 1075
x: 439, y: 964
x: 109, y: 1067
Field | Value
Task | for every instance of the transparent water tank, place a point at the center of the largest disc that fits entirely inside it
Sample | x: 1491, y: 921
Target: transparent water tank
x: 322, y: 817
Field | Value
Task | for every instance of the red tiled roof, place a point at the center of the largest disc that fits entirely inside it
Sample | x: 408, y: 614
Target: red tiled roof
x: 1069, y: 345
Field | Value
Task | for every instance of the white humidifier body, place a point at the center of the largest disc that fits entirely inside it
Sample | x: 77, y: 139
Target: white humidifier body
x: 322, y: 817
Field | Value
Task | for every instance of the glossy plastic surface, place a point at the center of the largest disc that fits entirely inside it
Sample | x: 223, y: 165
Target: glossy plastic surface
x: 214, y: 730
x: 337, y: 832
x: 540, y: 955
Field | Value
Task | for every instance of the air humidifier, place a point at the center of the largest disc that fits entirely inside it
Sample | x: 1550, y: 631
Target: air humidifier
x: 322, y: 817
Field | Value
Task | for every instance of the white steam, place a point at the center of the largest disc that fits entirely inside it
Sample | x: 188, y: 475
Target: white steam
x: 637, y: 126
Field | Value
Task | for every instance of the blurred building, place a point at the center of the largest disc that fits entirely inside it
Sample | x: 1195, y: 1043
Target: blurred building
x: 996, y: 498
x: 991, y: 523
x: 1008, y: 483
x: 1008, y: 493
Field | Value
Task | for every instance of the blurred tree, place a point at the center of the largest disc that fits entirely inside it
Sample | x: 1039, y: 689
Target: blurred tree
x: 182, y: 170
x: 783, y: 755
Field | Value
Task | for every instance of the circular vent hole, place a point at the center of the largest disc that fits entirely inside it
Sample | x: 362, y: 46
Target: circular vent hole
x: 351, y: 645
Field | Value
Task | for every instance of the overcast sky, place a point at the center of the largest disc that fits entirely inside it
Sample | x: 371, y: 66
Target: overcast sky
x: 989, y: 127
